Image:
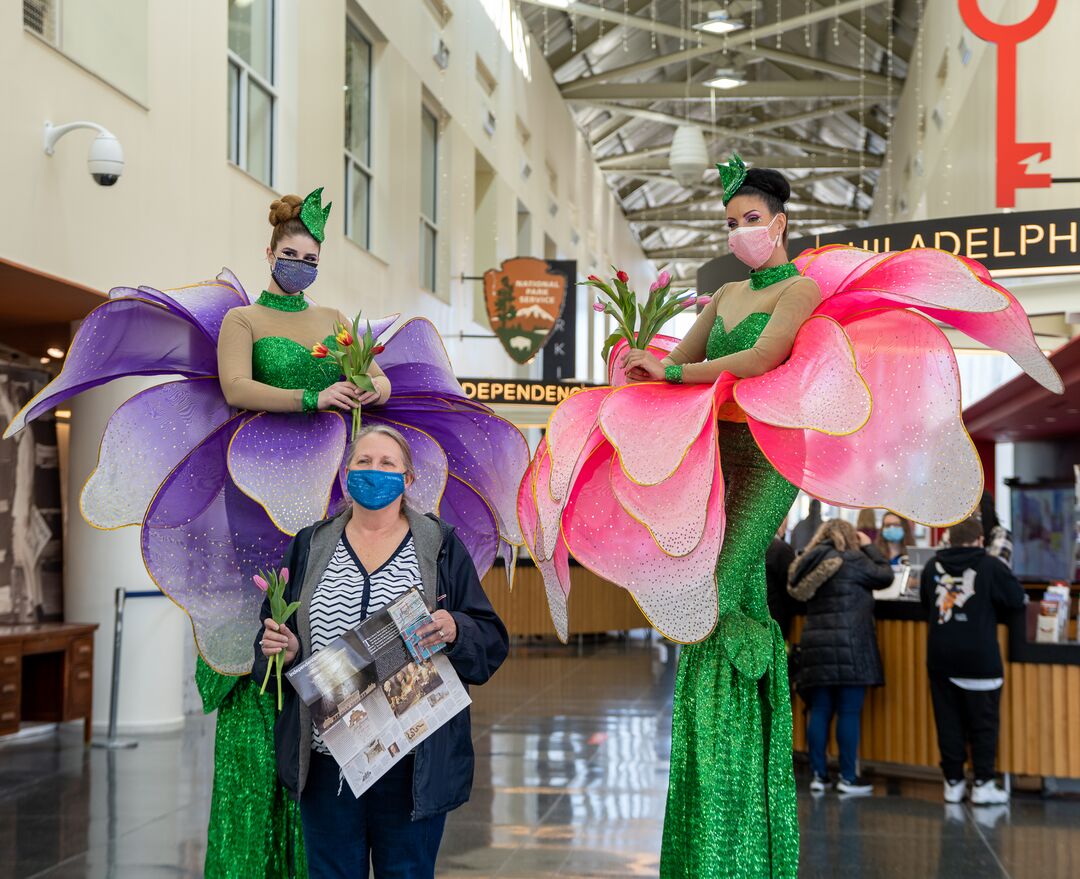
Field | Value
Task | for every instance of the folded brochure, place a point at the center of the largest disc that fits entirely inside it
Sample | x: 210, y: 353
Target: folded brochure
x: 375, y: 694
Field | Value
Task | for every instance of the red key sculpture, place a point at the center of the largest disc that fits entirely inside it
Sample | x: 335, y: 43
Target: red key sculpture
x: 1012, y: 172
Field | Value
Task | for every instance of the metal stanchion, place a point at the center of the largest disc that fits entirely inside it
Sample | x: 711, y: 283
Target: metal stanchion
x: 112, y: 741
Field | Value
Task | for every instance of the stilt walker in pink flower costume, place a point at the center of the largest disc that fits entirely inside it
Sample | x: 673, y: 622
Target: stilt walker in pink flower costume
x: 812, y: 375
x: 243, y: 450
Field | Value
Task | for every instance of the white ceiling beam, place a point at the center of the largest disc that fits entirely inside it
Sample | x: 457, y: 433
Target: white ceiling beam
x: 798, y: 119
x: 647, y: 160
x: 586, y: 39
x: 635, y: 157
x: 607, y: 129
x: 803, y: 208
x: 761, y: 90
x: 693, y: 251
x: 707, y: 44
x: 820, y: 65
x: 670, y: 119
x: 721, y: 218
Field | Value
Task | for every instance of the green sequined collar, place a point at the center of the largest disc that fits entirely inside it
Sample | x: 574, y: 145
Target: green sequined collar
x: 762, y: 278
x: 278, y: 302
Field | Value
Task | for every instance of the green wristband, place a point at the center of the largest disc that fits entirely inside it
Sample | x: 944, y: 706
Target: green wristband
x: 311, y: 401
x: 673, y: 373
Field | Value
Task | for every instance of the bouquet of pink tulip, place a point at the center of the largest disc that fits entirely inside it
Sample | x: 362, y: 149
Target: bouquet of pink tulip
x: 354, y: 354
x: 273, y: 583
x: 662, y: 305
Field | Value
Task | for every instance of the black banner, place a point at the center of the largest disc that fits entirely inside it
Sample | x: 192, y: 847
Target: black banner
x: 1027, y: 243
x: 558, y: 355
x: 519, y: 391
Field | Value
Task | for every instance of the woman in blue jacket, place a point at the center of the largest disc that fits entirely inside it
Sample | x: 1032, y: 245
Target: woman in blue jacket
x: 341, y: 570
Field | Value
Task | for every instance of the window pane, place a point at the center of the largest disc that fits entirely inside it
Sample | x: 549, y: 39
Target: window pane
x: 234, y: 113
x: 428, y: 242
x: 111, y: 39
x: 429, y: 144
x: 359, y: 189
x: 251, y: 34
x: 357, y: 95
x: 260, y: 133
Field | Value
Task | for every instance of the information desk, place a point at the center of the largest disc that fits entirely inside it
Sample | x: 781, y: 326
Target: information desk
x: 1040, y: 707
x: 595, y: 604
x: 46, y: 674
x: 1040, y: 704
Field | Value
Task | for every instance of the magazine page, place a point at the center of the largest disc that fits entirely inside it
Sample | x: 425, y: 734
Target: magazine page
x: 374, y: 694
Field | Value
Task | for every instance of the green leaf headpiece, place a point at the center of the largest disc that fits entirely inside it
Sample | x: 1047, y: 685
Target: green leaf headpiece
x: 313, y: 215
x: 732, y: 176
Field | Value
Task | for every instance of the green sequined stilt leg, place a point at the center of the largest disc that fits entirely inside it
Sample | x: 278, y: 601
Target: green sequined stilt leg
x: 255, y: 830
x: 731, y: 809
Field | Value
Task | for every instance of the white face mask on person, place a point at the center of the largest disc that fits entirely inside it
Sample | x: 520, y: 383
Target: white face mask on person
x: 753, y: 245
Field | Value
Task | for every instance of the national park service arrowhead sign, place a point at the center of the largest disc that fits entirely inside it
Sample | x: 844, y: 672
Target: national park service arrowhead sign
x: 524, y: 299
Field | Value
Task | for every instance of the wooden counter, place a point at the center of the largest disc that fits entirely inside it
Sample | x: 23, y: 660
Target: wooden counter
x: 1040, y: 708
x: 595, y: 604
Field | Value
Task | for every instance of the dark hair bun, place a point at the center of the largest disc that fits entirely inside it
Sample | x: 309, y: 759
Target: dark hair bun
x: 769, y: 181
x: 286, y: 208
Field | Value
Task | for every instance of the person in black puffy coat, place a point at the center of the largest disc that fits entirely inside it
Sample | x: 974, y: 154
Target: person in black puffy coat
x: 839, y: 657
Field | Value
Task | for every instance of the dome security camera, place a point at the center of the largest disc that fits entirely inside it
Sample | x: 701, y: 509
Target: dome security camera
x: 106, y: 158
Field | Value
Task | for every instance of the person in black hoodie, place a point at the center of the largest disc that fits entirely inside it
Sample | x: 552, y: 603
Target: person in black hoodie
x: 341, y: 570
x: 839, y: 657
x: 965, y: 592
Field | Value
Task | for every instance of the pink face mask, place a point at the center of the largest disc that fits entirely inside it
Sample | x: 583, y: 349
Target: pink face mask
x: 753, y: 245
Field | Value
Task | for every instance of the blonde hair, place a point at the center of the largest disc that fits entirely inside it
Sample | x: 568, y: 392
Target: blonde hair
x: 867, y: 520
x: 840, y: 533
x: 395, y: 435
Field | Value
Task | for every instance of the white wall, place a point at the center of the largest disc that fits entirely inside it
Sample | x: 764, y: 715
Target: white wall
x: 181, y: 211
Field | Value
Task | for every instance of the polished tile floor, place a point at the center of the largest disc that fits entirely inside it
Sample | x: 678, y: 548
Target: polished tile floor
x: 572, y: 748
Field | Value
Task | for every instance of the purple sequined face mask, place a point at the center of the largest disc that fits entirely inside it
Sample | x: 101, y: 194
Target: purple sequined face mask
x: 294, y: 275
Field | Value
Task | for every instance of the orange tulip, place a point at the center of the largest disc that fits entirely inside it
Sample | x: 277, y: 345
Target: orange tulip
x: 344, y: 338
x: 320, y: 351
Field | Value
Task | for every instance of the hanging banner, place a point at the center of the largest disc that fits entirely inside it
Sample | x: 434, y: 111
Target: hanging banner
x: 524, y: 300
x: 560, y: 353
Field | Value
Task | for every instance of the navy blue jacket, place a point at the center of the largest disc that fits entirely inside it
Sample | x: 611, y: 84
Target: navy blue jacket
x: 443, y: 766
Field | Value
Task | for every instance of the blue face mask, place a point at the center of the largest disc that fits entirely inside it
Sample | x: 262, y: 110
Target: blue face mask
x: 893, y: 533
x: 294, y: 275
x: 375, y: 489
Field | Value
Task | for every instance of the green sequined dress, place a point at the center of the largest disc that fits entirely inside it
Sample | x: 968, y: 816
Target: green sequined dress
x: 255, y: 830
x: 731, y: 809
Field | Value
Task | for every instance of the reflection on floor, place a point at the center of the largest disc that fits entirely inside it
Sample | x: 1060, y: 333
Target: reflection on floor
x: 572, y: 749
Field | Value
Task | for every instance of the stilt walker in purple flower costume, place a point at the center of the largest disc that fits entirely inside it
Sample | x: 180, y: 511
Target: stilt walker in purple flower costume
x: 245, y: 449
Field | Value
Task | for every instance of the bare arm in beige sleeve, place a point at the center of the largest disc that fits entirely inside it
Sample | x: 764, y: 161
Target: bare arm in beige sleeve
x: 692, y: 348
x: 234, y: 373
x: 378, y: 377
x: 773, y: 346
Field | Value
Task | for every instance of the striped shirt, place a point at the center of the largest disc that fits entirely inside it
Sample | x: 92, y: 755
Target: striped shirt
x: 347, y: 594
